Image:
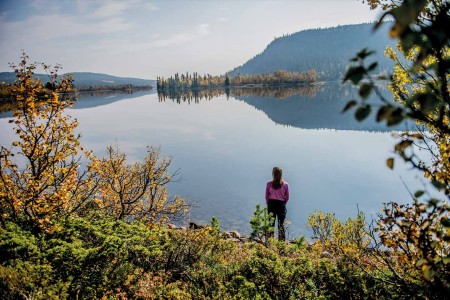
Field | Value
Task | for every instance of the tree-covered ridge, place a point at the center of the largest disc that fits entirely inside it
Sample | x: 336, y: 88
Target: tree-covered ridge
x: 325, y: 50
x: 85, y: 79
x: 195, y: 81
x: 81, y: 82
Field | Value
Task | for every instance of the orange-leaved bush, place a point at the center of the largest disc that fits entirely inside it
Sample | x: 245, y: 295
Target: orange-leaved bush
x: 138, y: 191
x: 41, y: 178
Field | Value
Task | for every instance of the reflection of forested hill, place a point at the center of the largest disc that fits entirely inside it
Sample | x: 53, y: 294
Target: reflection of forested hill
x: 320, y: 112
x: 90, y: 100
x: 325, y: 50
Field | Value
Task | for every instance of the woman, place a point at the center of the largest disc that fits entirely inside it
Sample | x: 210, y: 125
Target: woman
x: 277, y: 195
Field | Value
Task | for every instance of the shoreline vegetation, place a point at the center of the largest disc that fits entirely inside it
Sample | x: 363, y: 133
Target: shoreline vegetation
x: 194, y: 81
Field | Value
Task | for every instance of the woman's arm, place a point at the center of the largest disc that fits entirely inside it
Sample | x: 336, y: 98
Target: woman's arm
x: 286, y: 193
x: 267, y: 193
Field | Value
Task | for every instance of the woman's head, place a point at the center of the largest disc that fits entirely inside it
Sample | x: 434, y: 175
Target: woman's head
x: 277, y: 175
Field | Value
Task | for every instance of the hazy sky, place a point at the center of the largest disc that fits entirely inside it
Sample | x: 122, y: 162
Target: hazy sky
x: 140, y: 38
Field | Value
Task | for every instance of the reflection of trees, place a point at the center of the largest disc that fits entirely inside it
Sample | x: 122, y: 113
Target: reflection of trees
x: 97, y: 93
x: 207, y: 94
x: 191, y: 95
x: 8, y: 104
x: 119, y: 88
x: 276, y: 92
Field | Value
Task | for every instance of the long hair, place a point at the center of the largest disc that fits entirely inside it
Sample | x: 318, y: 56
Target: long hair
x: 277, y: 174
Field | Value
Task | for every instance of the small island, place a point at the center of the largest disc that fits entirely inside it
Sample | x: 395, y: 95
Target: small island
x: 280, y: 78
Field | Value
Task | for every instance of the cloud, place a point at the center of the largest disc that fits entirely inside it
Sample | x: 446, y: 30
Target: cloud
x: 38, y: 28
x: 115, y: 8
x: 111, y: 9
x: 150, y: 6
x: 183, y: 37
x: 202, y: 29
x: 175, y: 39
x: 223, y: 19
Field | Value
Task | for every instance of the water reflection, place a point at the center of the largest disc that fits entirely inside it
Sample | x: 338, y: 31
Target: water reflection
x: 197, y: 95
x: 313, y: 107
x: 99, y: 98
x: 89, y: 99
x: 226, y: 146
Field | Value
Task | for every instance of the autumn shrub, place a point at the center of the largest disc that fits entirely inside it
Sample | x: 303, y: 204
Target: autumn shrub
x: 46, y: 175
x: 413, y: 244
x: 137, y: 191
x: 347, y: 238
x: 40, y: 175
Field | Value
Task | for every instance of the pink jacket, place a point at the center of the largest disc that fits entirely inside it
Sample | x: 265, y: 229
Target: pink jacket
x: 281, y: 194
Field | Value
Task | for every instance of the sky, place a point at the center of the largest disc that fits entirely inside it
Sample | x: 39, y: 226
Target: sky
x: 146, y: 39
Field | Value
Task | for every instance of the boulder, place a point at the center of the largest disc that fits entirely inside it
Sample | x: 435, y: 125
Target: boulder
x: 233, y: 234
x: 194, y: 226
x: 171, y: 226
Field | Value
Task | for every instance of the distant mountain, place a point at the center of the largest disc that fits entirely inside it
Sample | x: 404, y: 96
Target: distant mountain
x: 87, y: 79
x: 328, y: 51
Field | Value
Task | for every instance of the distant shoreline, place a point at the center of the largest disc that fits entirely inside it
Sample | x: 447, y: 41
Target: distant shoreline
x: 112, y: 89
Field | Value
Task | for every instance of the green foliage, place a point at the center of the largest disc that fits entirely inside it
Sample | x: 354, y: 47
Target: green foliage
x: 215, y: 222
x: 86, y: 259
x: 262, y: 225
x: 227, y: 80
x: 94, y: 258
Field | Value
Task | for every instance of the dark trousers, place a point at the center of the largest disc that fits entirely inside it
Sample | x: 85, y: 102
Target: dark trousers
x: 278, y: 210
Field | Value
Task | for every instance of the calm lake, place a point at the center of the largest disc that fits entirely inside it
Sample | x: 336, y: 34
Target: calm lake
x: 226, y: 145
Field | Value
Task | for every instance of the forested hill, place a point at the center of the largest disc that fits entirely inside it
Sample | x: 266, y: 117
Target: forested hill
x: 327, y: 51
x: 87, y: 79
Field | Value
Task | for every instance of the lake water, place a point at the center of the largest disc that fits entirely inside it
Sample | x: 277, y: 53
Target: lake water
x: 226, y: 145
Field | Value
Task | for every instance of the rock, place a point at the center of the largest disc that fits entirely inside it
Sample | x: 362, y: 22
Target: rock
x: 171, y: 226
x: 194, y: 226
x: 233, y: 234
x: 183, y: 228
x: 326, y: 254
